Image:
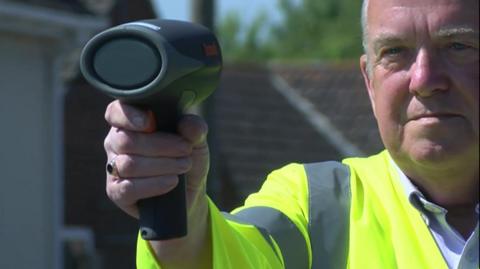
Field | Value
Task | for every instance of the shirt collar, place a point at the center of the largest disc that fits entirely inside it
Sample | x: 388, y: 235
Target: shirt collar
x: 415, y: 196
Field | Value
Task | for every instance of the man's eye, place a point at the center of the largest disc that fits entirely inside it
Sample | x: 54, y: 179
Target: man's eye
x: 458, y: 46
x: 392, y: 51
x: 461, y: 52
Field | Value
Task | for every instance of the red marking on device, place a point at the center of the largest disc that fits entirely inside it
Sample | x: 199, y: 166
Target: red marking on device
x: 210, y: 50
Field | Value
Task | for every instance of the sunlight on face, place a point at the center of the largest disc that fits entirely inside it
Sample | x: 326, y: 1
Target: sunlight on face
x: 423, y: 84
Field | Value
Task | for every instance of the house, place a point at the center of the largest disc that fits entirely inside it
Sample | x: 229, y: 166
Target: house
x: 40, y: 41
x: 35, y: 47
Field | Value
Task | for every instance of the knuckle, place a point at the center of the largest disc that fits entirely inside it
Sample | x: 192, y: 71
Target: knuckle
x: 107, y: 142
x: 110, y: 192
x: 126, y: 164
x: 126, y: 190
x: 108, y: 112
x: 167, y: 183
x: 125, y: 142
x: 123, y: 193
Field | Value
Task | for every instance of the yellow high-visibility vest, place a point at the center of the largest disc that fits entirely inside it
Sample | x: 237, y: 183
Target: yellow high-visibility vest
x: 330, y: 215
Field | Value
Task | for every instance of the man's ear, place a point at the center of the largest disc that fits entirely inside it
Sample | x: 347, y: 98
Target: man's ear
x: 366, y: 73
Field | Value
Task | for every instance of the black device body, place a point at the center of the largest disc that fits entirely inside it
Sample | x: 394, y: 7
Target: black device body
x: 164, y: 66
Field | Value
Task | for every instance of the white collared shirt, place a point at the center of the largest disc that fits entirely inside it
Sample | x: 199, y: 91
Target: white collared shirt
x: 457, y: 252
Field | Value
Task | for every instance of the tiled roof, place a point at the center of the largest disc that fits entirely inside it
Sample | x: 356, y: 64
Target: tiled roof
x: 338, y: 92
x: 257, y: 130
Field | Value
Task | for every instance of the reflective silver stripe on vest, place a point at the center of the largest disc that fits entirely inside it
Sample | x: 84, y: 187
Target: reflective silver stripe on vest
x: 262, y: 231
x: 287, y: 236
x: 329, y: 210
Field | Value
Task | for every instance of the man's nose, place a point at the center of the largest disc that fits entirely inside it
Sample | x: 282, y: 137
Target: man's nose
x: 428, y: 75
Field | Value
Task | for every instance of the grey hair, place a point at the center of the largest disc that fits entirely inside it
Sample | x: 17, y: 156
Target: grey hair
x: 364, y: 19
x: 364, y: 24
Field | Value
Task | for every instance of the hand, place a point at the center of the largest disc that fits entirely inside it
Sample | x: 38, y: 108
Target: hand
x: 149, y: 162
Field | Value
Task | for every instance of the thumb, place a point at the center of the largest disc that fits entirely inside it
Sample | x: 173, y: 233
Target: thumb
x: 194, y: 129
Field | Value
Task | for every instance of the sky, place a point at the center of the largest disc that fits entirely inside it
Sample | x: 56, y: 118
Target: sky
x: 247, y: 9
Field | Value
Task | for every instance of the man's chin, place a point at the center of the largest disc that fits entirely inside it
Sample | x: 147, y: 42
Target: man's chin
x: 442, y: 154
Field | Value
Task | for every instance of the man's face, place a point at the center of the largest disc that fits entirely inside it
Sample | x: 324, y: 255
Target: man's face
x: 423, y: 79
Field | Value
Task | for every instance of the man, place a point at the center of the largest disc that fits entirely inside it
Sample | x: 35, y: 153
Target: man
x: 414, y: 205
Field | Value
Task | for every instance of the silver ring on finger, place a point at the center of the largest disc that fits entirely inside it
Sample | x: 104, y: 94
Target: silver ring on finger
x: 111, y: 168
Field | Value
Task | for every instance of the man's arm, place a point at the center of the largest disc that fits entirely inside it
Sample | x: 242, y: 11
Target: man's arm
x: 149, y: 164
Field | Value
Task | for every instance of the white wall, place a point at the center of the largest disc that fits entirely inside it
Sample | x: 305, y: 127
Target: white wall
x: 33, y: 42
x: 26, y: 198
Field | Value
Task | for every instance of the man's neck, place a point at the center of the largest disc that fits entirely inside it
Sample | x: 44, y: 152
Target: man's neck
x: 450, y: 191
x: 463, y: 219
x: 458, y: 196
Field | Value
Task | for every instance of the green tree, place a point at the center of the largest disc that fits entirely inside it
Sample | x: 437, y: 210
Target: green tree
x: 326, y: 30
x: 240, y: 42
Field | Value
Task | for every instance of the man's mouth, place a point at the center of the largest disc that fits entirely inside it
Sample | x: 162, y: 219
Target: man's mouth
x: 435, y: 116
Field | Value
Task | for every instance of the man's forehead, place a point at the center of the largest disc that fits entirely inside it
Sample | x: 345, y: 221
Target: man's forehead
x: 445, y: 32
x: 381, y: 39
x: 469, y: 7
x: 423, y: 3
x: 440, y: 15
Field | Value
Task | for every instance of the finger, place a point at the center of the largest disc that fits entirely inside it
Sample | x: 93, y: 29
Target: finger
x: 129, y: 117
x: 133, y: 166
x: 126, y: 192
x: 120, y: 141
